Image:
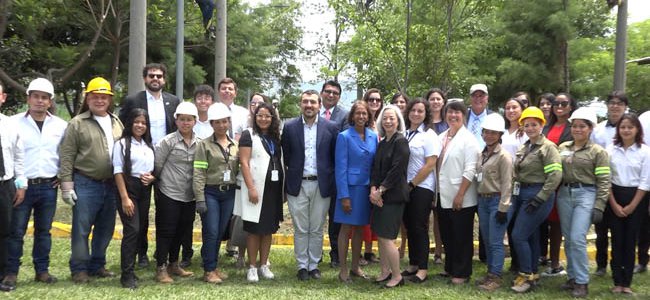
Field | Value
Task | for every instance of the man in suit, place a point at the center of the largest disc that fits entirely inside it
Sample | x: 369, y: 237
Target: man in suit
x: 330, y: 110
x: 161, y: 107
x: 308, y: 145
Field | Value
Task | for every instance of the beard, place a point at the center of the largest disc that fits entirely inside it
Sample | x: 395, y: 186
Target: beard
x: 154, y: 88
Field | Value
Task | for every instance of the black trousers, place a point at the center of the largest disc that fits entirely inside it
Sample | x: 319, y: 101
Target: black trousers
x: 457, y: 233
x: 602, y: 238
x: 416, y: 220
x: 644, y: 234
x: 333, y: 231
x: 7, y: 194
x: 514, y: 260
x: 172, y: 220
x: 134, y: 226
x: 624, y: 235
x: 143, y: 233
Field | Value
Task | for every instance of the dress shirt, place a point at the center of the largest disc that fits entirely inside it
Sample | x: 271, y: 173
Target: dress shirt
x: 474, y: 125
x: 141, y: 157
x: 173, y: 164
x: 41, y: 146
x: 157, y: 117
x: 238, y: 119
x: 203, y: 129
x: 603, y: 134
x: 310, y: 148
x: 423, y: 143
x: 630, y: 167
x: 13, y: 153
x: 511, y: 143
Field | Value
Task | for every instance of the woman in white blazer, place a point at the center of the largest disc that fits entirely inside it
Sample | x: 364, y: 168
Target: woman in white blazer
x: 458, y: 198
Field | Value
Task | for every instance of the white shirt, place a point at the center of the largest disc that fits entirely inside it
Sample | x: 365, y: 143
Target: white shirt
x: 631, y: 166
x: 203, y: 129
x: 603, y: 134
x: 13, y: 152
x: 41, y: 146
x: 238, y: 119
x: 141, y: 157
x: 310, y: 148
x: 157, y: 118
x: 107, y: 128
x: 511, y: 143
x: 422, y: 143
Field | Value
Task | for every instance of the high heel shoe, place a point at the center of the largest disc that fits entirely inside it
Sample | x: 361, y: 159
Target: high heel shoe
x: 360, y: 275
x: 400, y: 283
x: 380, y: 281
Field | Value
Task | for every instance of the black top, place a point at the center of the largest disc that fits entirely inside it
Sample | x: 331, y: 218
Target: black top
x: 389, y: 168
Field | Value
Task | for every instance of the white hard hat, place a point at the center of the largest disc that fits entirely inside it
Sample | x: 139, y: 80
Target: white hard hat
x: 186, y: 108
x: 41, y: 85
x: 218, y: 111
x: 585, y: 113
x: 494, y: 122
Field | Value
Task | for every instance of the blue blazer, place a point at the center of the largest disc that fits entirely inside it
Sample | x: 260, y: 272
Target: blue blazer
x: 293, y: 149
x: 353, y: 160
x: 340, y: 117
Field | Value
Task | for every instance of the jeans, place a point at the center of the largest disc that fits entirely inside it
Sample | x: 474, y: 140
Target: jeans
x: 135, y: 225
x: 525, y: 233
x: 7, y: 194
x: 493, y: 232
x: 574, y: 206
x: 42, y: 199
x: 95, y: 209
x: 215, y: 223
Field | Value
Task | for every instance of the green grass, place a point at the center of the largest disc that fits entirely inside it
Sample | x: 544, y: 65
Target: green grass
x: 285, y: 286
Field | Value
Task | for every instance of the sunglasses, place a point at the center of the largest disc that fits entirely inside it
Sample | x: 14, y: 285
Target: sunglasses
x: 562, y: 103
x: 152, y: 76
x: 331, y: 92
x: 374, y: 99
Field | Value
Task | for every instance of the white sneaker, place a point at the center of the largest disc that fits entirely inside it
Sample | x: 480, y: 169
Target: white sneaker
x: 265, y: 272
x: 251, y: 276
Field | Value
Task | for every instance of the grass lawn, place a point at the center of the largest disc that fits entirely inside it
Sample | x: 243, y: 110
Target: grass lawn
x: 285, y: 286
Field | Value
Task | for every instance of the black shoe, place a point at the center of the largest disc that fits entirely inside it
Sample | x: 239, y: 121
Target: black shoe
x: 386, y: 286
x: 640, y: 269
x: 315, y: 274
x: 102, y: 273
x: 129, y: 282
x: 303, y: 275
x: 231, y: 253
x: 143, y: 262
x: 334, y: 263
x: 416, y: 279
x: 382, y: 280
x: 6, y: 287
x: 408, y: 273
x: 601, y: 271
x: 185, y: 263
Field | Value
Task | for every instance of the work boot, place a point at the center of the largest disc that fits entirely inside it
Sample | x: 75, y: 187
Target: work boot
x: 221, y: 275
x: 491, y: 283
x: 580, y: 291
x: 80, y: 277
x: 175, y: 269
x: 523, y: 283
x: 211, y: 277
x: 162, y: 276
x: 45, y: 277
x: 10, y: 281
x: 568, y: 285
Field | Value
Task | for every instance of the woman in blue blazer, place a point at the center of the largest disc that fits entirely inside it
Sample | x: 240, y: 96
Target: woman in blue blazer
x: 355, y: 150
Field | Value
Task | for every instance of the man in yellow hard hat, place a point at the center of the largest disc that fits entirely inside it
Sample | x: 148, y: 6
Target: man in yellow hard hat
x: 86, y: 176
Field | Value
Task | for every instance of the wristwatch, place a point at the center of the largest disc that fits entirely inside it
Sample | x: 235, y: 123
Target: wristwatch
x: 381, y: 189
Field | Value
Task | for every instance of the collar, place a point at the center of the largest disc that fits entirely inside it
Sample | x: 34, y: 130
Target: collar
x: 303, y: 120
x: 421, y: 128
x: 634, y: 147
x: 88, y: 115
x: 481, y: 115
x: 540, y: 141
x: 47, y: 114
x: 497, y: 149
x: 179, y: 136
x: 150, y: 96
x: 586, y: 146
x: 214, y: 140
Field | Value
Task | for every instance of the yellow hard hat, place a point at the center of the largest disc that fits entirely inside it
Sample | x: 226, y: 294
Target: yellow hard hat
x: 99, y: 85
x: 532, y: 112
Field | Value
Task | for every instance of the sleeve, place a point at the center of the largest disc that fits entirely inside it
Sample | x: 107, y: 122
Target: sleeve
x: 19, y: 159
x: 505, y: 172
x: 161, y: 152
x: 398, y: 166
x: 433, y: 146
x: 68, y: 153
x: 118, y: 157
x: 286, y: 147
x: 341, y: 167
x: 603, y: 179
x: 200, y: 172
x: 552, y: 170
x: 245, y: 139
x: 644, y: 180
x: 471, y: 158
x: 376, y: 162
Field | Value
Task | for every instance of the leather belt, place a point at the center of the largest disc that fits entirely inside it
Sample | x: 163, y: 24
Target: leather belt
x: 577, y: 185
x: 41, y: 180
x: 222, y: 187
x: 524, y: 184
x: 489, y: 195
x: 310, y: 178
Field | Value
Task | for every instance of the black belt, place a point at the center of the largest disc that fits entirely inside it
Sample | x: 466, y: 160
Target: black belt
x: 577, y: 185
x: 222, y: 187
x: 41, y: 180
x: 524, y: 184
x: 489, y: 195
x: 310, y: 178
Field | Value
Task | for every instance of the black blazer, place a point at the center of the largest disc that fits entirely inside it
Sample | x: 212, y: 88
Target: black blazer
x: 139, y: 100
x: 564, y: 137
x: 389, y: 168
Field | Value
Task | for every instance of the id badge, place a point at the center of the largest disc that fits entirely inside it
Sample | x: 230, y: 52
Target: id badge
x: 275, y: 175
x: 226, y: 176
x: 515, y: 188
x: 479, y: 176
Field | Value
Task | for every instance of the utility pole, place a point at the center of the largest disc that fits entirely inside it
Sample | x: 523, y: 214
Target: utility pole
x: 137, y: 44
x: 621, y: 46
x: 220, y: 43
x: 180, y: 41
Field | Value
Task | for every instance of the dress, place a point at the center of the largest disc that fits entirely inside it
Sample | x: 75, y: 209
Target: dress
x: 271, y: 212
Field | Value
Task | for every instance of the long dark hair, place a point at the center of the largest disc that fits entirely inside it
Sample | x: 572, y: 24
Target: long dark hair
x: 127, y: 134
x: 520, y: 131
x: 638, y: 139
x: 572, y: 102
x: 427, y: 111
x: 274, y: 129
x: 381, y: 103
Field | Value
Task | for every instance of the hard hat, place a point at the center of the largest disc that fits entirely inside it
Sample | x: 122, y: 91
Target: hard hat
x: 494, y: 122
x: 99, y: 85
x: 41, y: 85
x: 218, y: 111
x: 532, y: 112
x: 585, y: 113
x: 186, y: 108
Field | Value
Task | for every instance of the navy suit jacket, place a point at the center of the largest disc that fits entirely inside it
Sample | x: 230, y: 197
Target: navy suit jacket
x: 340, y: 117
x: 139, y: 100
x: 293, y: 149
x: 354, y: 160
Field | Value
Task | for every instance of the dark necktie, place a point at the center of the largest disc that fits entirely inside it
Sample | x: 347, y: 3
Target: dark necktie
x: 2, y: 161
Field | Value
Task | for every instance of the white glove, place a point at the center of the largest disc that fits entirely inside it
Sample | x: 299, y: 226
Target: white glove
x: 67, y: 193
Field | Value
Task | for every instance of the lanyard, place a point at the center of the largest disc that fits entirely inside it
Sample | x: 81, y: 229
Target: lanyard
x: 269, y: 144
x: 226, y: 153
x: 411, y: 135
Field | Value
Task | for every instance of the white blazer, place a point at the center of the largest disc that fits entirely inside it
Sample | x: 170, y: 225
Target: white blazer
x: 458, y: 162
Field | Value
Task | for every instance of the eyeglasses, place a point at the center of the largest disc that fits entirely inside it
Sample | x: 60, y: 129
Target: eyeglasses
x: 374, y: 99
x: 263, y: 116
x: 562, y: 103
x: 152, y: 76
x: 331, y: 92
x: 615, y: 103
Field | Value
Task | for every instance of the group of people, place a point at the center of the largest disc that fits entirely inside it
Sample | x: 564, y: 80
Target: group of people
x: 377, y: 170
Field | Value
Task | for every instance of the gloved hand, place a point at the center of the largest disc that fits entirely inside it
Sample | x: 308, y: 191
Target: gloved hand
x: 67, y: 193
x: 533, y: 204
x: 201, y: 208
x: 596, y: 216
x: 502, y: 217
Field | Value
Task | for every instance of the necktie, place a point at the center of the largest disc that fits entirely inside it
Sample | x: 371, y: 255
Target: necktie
x: 475, y: 126
x: 328, y: 114
x: 2, y: 161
